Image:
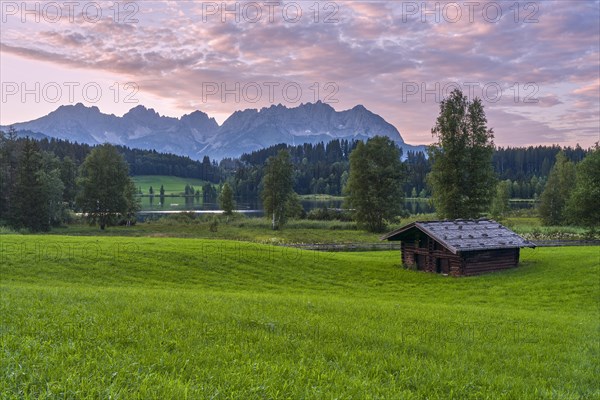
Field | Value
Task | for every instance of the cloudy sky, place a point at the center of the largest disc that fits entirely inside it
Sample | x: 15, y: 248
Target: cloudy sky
x: 534, y: 64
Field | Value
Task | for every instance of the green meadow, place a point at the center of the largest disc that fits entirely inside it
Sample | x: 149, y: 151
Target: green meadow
x: 236, y: 227
x: 171, y: 184
x: 175, y: 318
x: 298, y: 231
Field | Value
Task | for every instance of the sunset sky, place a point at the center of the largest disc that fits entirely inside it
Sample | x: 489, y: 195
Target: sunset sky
x: 534, y: 64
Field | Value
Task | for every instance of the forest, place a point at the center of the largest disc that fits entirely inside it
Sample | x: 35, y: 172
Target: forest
x: 324, y: 168
x: 321, y: 168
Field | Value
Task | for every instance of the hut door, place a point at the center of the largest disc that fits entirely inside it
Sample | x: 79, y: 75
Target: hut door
x: 421, y: 262
x: 441, y: 266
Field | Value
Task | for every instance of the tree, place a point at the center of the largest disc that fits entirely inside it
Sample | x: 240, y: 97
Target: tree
x: 133, y: 202
x: 516, y: 190
x: 107, y: 191
x: 68, y: 176
x: 162, y: 195
x: 500, y: 203
x: 277, y: 187
x: 53, y: 189
x: 29, y: 202
x: 375, y: 183
x: 189, y: 195
x: 343, y: 181
x: 293, y: 208
x: 582, y: 207
x: 462, y: 177
x: 9, y: 160
x: 209, y: 193
x: 557, y: 191
x: 226, y: 199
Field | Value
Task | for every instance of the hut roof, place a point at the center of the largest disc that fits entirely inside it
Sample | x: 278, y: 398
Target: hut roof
x: 463, y: 235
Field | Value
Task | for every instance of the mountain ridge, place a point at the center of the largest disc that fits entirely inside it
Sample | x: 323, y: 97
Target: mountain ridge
x: 197, y: 134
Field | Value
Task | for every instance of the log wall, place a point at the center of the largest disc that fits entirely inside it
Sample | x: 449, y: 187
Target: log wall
x: 427, y: 255
x: 479, y: 262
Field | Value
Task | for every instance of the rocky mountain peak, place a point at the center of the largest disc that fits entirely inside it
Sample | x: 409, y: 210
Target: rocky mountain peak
x: 197, y: 134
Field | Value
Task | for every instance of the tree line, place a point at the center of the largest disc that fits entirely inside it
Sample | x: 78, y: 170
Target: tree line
x: 323, y: 168
x: 39, y: 190
x: 140, y: 162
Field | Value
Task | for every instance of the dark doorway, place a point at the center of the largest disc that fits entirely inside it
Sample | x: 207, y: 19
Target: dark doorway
x: 441, y: 265
x: 421, y: 261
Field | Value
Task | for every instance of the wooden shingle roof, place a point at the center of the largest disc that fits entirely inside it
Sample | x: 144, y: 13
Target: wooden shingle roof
x: 463, y: 235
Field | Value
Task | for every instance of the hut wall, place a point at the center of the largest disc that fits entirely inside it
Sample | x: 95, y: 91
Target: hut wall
x: 408, y: 253
x: 428, y: 255
x: 478, y: 262
x: 456, y: 266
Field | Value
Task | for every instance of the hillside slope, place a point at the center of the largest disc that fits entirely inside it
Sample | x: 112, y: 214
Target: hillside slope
x: 89, y: 317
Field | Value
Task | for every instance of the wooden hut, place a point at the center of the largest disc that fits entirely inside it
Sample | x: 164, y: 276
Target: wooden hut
x: 459, y: 247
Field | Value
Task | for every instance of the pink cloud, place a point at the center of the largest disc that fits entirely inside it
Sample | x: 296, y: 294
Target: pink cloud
x: 370, y: 54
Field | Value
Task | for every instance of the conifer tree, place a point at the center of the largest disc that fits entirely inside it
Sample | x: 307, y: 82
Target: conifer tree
x: 29, y: 200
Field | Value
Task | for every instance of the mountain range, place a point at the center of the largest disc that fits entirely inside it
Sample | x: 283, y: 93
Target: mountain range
x: 196, y: 134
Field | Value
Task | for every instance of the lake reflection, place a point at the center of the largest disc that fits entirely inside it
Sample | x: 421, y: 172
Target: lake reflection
x: 190, y: 203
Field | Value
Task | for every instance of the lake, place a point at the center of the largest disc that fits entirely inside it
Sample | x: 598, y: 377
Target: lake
x: 182, y: 203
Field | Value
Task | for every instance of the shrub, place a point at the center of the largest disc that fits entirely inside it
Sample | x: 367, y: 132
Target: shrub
x: 329, y: 214
x: 213, y: 226
x: 6, y: 230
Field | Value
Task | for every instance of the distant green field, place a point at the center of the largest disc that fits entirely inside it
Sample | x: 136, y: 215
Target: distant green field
x: 321, y: 197
x: 172, y: 184
x: 165, y: 318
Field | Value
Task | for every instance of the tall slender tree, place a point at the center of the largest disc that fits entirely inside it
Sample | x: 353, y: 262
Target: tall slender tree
x: 162, y: 195
x: 557, y: 191
x: 462, y: 176
x: 226, y: 199
x: 278, y: 186
x: 9, y: 159
x: 68, y: 176
x: 500, y: 203
x: 583, y: 204
x: 151, y: 196
x: 29, y: 200
x: 53, y: 193
x: 374, y: 186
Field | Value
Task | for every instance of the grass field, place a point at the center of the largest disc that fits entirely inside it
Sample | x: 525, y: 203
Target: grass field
x: 172, y: 184
x: 258, y: 230
x: 165, y: 318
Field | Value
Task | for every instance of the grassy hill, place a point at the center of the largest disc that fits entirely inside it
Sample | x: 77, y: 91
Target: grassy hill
x: 172, y: 184
x: 143, y: 318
